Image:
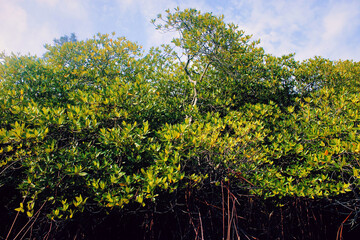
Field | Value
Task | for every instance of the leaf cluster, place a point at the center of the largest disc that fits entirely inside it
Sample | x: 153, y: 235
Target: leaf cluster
x: 99, y: 124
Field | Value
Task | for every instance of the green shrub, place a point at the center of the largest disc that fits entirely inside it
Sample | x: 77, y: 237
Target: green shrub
x: 98, y: 124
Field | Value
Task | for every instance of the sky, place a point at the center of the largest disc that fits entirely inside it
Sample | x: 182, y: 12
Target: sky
x: 308, y: 28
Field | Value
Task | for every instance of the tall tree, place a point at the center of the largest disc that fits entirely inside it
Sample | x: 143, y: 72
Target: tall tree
x: 65, y: 38
x: 224, y: 65
x: 98, y: 126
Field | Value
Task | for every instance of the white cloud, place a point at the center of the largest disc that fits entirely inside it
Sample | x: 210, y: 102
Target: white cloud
x: 306, y: 27
x: 51, y: 3
x: 334, y: 24
x: 73, y: 8
x: 276, y: 23
x: 25, y: 26
x: 13, y: 25
x: 147, y: 10
x: 339, y: 24
x: 144, y: 11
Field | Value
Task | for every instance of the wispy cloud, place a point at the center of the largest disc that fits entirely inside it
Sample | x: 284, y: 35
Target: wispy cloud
x: 148, y: 10
x: 13, y: 25
x: 25, y: 26
x: 306, y: 27
x: 330, y: 28
x: 340, y: 26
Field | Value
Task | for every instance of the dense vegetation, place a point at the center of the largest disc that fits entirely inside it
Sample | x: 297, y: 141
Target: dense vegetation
x: 204, y: 127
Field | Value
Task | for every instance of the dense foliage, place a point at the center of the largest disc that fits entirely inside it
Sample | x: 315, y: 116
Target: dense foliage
x: 100, y: 125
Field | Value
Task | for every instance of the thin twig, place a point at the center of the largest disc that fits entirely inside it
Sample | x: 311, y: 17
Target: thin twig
x: 9, y: 166
x: 201, y: 226
x: 12, y: 225
x: 31, y: 226
x: 48, y: 233
x: 223, y: 208
x: 228, y: 215
x: 37, y: 212
x: 340, y: 230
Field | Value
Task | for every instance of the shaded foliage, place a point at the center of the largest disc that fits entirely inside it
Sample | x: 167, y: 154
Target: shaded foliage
x: 213, y: 133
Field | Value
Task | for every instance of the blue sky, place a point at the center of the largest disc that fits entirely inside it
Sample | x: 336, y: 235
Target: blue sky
x: 327, y: 28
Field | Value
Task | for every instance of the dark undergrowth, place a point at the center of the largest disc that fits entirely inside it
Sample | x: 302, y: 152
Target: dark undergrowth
x: 222, y: 214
